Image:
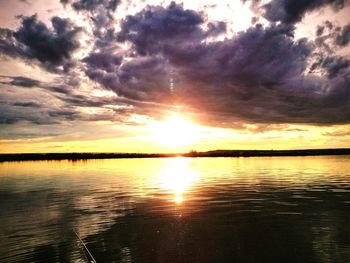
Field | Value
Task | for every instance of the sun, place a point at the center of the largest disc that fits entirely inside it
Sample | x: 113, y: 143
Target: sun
x: 175, y: 131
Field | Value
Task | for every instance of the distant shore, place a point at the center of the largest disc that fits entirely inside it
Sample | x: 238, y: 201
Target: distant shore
x: 216, y: 153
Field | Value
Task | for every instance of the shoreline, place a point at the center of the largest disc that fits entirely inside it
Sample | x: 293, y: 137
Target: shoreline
x: 216, y: 153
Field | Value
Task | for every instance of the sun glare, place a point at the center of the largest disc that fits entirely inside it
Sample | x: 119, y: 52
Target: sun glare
x: 175, y: 131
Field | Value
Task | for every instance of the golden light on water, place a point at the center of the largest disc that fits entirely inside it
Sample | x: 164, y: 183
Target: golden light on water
x: 178, y: 177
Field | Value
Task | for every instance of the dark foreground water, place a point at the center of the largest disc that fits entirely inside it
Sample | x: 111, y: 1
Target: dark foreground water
x: 289, y: 209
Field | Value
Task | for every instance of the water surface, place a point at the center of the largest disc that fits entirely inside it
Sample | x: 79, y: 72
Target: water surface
x: 276, y: 209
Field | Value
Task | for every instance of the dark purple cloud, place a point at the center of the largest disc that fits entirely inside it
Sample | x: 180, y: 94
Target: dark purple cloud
x: 8, y: 44
x: 329, y: 40
x: 100, y: 12
x: 334, y: 65
x: 29, y: 104
x: 343, y: 38
x: 24, y: 82
x: 92, y: 5
x: 156, y: 27
x: 260, y: 75
x: 152, y: 32
x: 11, y: 113
x: 292, y: 11
x: 53, y: 47
x: 325, y: 41
x: 104, y: 61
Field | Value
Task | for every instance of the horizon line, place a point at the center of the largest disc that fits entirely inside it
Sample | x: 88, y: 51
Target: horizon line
x: 212, y: 153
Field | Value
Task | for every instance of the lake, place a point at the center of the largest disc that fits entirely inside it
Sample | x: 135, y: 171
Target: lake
x: 275, y: 209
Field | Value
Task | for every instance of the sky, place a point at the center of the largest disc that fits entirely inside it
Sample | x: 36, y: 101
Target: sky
x: 173, y: 76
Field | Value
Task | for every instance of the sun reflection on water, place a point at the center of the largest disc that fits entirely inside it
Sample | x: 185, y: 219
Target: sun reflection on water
x: 178, y: 177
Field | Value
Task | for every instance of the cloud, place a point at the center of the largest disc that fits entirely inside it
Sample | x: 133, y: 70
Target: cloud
x: 104, y: 61
x: 67, y: 114
x: 64, y: 2
x: 329, y: 40
x: 24, y: 82
x: 152, y: 31
x: 66, y: 84
x: 156, y: 27
x: 92, y: 5
x: 332, y: 37
x: 343, y: 38
x: 292, y: 11
x: 29, y: 104
x: 145, y: 79
x: 335, y: 65
x: 8, y: 44
x: 338, y: 132
x: 52, y: 47
x: 260, y: 75
x: 10, y: 114
x: 100, y: 12
x: 58, y: 104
